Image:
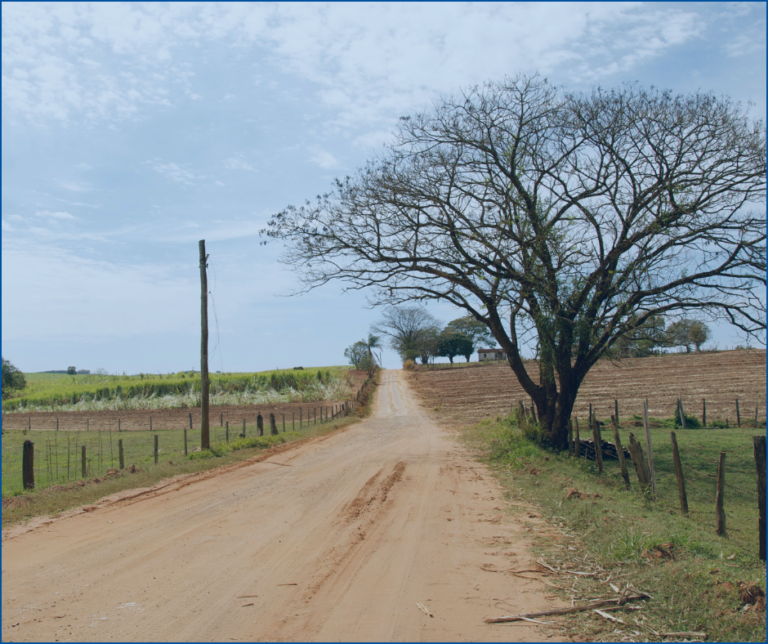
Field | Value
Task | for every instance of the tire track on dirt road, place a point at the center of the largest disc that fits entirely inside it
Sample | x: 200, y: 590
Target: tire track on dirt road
x: 341, y: 545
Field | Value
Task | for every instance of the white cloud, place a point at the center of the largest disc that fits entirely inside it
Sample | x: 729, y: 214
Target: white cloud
x: 238, y: 163
x: 322, y: 158
x: 175, y: 173
x: 60, y: 215
x: 74, y: 186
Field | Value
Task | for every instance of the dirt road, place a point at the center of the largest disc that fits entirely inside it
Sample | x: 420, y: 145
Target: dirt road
x: 336, y: 539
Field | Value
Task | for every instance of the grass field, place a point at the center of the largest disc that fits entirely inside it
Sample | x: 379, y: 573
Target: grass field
x: 692, y: 574
x: 63, y: 392
x: 58, y: 455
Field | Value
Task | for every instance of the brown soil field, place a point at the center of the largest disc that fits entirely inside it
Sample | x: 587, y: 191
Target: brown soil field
x: 138, y: 419
x: 467, y: 395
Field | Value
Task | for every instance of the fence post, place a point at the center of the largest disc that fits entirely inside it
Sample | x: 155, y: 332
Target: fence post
x: 651, y: 470
x: 29, y: 423
x: 681, y: 412
x: 759, y: 446
x: 719, y: 497
x: 738, y: 414
x: 283, y: 423
x: 756, y: 407
x: 28, y: 465
x: 533, y: 411
x: 150, y: 423
x: 185, y: 441
x: 120, y: 453
x: 88, y: 424
x: 301, y: 417
x: 293, y: 420
x: 704, y: 412
x: 260, y: 424
x: 598, y: 441
x: 616, y: 410
x: 227, y: 432
x: 83, y: 461
x: 156, y: 450
x: 620, y: 452
x: 570, y: 437
x: 636, y: 452
x: 57, y: 423
x: 190, y: 421
x: 577, y: 441
x: 272, y: 425
x: 679, y: 474
x: 221, y: 419
x: 243, y: 427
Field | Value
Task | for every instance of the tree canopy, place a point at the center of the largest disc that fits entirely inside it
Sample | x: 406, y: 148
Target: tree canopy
x: 13, y: 379
x: 555, y: 218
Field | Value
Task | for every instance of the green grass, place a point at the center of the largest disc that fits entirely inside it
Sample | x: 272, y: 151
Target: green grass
x: 45, y: 391
x: 694, y: 590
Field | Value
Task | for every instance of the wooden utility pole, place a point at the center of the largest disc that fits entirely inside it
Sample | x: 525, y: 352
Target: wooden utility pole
x: 205, y: 442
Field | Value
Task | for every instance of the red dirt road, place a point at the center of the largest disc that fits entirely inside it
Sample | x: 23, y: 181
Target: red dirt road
x: 335, y: 539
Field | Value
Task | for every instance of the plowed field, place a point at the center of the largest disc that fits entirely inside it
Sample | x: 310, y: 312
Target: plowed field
x: 468, y: 395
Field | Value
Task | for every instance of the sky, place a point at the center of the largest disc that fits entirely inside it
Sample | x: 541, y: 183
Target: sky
x: 132, y: 131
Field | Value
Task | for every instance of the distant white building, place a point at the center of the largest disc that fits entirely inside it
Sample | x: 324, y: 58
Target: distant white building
x: 491, y: 354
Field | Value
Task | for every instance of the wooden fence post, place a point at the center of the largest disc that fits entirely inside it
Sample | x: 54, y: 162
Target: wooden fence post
x: 636, y: 452
x: 57, y: 424
x: 756, y: 407
x: 283, y: 423
x: 150, y: 423
x: 616, y: 410
x: 759, y: 446
x: 156, y: 450
x: 260, y: 425
x: 293, y: 421
x: 221, y: 419
x: 185, y: 442
x: 190, y: 421
x: 620, y: 452
x: 651, y: 469
x: 301, y: 417
x: 227, y: 432
x: 598, y: 441
x: 118, y: 425
x: 570, y: 437
x: 719, y: 497
x: 28, y: 465
x: 577, y: 439
x: 120, y: 454
x: 29, y: 423
x: 679, y: 474
x: 703, y: 412
x: 681, y: 412
x: 533, y: 412
x: 83, y: 461
x: 243, y: 427
x: 272, y: 425
x: 738, y: 414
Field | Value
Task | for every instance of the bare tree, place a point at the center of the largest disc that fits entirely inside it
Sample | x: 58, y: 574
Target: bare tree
x: 408, y: 328
x: 555, y: 218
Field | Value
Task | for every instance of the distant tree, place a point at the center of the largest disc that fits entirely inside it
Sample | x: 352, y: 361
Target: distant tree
x: 13, y: 379
x: 678, y: 334
x: 356, y: 352
x: 71, y: 370
x: 698, y: 333
x: 476, y: 332
x: 405, y: 326
x: 427, y: 344
x: 368, y: 364
x: 642, y: 340
x: 451, y: 344
x: 373, y: 342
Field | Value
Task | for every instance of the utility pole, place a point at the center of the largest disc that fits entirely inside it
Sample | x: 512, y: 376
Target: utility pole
x: 205, y: 442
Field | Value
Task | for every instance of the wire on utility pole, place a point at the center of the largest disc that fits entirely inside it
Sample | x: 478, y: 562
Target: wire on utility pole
x: 204, y: 432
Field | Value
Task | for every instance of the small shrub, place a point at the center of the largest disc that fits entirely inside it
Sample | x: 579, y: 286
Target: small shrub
x: 691, y: 422
x: 409, y: 365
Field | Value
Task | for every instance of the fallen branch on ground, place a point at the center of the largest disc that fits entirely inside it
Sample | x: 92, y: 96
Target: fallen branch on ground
x: 617, y: 601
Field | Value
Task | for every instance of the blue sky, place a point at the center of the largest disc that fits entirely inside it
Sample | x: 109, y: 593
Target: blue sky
x: 131, y: 131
